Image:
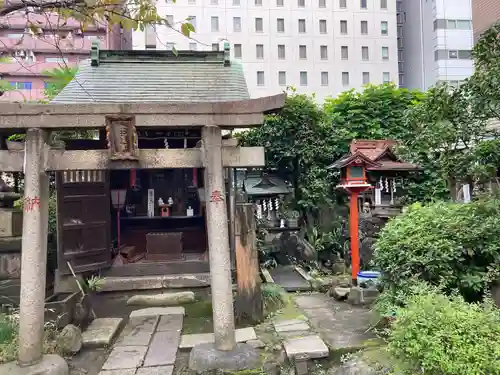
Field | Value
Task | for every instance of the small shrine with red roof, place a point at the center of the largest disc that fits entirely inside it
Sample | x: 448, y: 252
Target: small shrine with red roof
x: 372, y: 166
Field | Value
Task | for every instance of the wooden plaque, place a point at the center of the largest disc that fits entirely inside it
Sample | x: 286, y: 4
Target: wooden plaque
x: 122, y: 137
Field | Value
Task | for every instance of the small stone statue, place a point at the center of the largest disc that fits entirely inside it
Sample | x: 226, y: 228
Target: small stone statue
x: 367, y: 210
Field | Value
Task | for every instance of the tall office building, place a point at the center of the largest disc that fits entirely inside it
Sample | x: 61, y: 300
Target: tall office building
x: 25, y: 55
x: 317, y: 46
x: 437, y: 39
x: 484, y: 14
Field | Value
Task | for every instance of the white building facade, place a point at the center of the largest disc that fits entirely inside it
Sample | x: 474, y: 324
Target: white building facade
x: 438, y: 39
x: 317, y: 46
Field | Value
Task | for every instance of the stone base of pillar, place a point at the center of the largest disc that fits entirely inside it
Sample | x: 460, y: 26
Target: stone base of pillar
x: 49, y: 365
x: 207, y: 359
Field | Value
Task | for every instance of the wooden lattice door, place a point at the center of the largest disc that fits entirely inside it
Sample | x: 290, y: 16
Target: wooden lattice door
x: 83, y: 220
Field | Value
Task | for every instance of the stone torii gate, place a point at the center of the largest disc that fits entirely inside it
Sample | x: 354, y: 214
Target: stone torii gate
x: 121, y: 121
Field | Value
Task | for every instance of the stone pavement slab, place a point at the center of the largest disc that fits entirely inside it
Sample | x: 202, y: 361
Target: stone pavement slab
x: 101, y: 332
x: 293, y: 325
x: 125, y: 357
x: 163, y: 349
x: 130, y: 371
x: 189, y: 341
x: 341, y: 325
x: 138, y: 331
x: 158, y: 311
x: 170, y: 323
x: 309, y: 347
x: 160, y: 370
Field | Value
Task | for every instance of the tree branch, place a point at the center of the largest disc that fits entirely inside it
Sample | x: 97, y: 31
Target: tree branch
x: 17, y: 6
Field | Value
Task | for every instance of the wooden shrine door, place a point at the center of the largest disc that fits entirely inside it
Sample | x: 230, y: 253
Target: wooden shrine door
x: 83, y: 220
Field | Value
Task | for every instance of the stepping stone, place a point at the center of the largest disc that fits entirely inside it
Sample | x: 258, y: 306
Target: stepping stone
x: 101, y: 332
x: 160, y: 370
x: 130, y: 371
x: 163, y: 299
x: 309, y: 347
x: 189, y: 341
x: 293, y: 325
x: 163, y: 349
x: 158, y: 311
x: 138, y: 331
x: 125, y: 357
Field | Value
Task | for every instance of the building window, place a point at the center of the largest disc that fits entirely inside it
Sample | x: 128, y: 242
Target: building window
x: 322, y: 26
x: 193, y: 46
x: 258, y: 3
x: 302, y: 52
x: 363, y: 4
x: 215, y: 46
x: 259, y: 51
x: 464, y: 55
x: 366, y: 78
x: 280, y: 25
x: 21, y: 85
x: 237, y: 24
x: 301, y: 3
x: 345, y: 78
x: 236, y: 2
x: 443, y: 54
x: 453, y: 54
x: 259, y: 25
x: 281, y: 52
x: 384, y: 28
x: 303, y: 78
x: 59, y: 60
x: 215, y: 24
x: 364, y: 27
x: 383, y: 4
x: 385, y: 53
x: 192, y: 19
x: 451, y: 24
x: 323, y: 52
x: 464, y: 24
x: 342, y: 4
x: 191, y: 1
x: 279, y: 3
x: 365, y: 56
x: 343, y: 27
x: 302, y: 26
x: 214, y: 2
x: 260, y: 78
x: 324, y: 78
x: 386, y: 77
x: 282, y: 78
x: 237, y: 51
x: 344, y: 53
x: 170, y: 19
x: 321, y: 3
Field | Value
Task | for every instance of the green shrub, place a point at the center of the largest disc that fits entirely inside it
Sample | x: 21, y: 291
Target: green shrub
x: 452, y: 245
x: 274, y: 297
x: 439, y: 335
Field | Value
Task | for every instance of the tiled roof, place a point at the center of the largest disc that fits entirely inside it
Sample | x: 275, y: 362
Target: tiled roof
x: 265, y: 185
x: 156, y: 76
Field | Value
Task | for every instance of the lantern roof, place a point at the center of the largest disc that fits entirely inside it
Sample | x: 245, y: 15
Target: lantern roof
x: 378, y: 155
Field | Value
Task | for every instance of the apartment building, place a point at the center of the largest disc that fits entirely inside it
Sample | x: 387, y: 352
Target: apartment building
x: 25, y: 55
x: 317, y: 46
x: 437, y: 38
x: 484, y: 14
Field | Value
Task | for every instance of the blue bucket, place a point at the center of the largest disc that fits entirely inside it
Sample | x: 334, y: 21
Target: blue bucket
x: 368, y: 276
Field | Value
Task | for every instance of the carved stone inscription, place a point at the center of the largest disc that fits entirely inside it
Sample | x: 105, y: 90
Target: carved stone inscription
x: 122, y: 137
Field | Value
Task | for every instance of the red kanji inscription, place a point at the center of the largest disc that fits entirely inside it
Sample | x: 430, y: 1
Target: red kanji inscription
x: 216, y: 196
x: 31, y: 203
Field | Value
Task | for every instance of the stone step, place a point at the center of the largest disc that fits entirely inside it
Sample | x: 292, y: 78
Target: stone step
x: 308, y: 347
x: 101, y: 332
x: 180, y: 281
x: 242, y: 335
x: 162, y: 299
